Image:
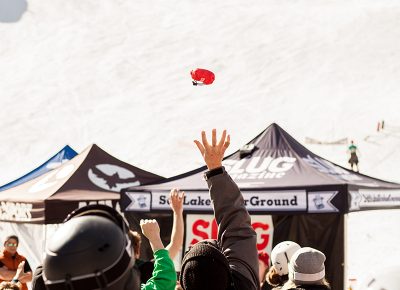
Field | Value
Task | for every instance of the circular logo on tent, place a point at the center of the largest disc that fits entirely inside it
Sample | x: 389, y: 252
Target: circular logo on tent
x: 112, y: 177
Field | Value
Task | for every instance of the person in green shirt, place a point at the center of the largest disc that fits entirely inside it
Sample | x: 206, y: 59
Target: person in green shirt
x: 353, y: 156
x: 146, y: 267
x: 164, y: 275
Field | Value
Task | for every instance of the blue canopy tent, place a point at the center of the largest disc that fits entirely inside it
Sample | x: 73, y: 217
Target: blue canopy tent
x: 65, y: 154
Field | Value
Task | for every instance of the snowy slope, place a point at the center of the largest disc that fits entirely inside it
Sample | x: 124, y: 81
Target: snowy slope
x: 116, y: 73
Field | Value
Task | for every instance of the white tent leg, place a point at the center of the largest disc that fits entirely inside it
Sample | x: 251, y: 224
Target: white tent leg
x: 345, y: 267
x: 44, y: 241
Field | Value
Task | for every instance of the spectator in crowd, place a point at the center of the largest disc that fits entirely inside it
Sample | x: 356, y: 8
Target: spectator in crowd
x: 92, y: 250
x: 176, y: 203
x: 231, y: 261
x: 353, y: 150
x: 307, y: 271
x: 263, y: 266
x: 280, y: 257
x: 136, y: 242
x: 164, y: 275
x: 145, y: 268
x: 9, y: 261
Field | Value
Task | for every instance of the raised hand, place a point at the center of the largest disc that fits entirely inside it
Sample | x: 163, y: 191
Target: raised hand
x: 176, y: 199
x: 214, y: 153
x: 20, y: 274
x: 151, y: 230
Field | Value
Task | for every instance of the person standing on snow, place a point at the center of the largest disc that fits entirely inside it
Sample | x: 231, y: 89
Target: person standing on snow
x: 353, y: 156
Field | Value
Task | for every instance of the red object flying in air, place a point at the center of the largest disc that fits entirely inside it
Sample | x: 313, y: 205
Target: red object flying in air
x: 202, y: 76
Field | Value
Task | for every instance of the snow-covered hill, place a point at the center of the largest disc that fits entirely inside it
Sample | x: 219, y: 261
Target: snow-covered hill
x: 116, y: 73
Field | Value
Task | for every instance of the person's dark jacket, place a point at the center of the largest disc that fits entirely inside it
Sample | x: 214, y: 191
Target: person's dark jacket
x: 236, y: 237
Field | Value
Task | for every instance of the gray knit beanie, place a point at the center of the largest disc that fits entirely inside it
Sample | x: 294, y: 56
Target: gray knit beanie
x: 307, y: 266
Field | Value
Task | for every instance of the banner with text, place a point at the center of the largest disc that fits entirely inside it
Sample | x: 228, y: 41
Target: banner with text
x: 364, y: 199
x: 294, y: 200
x: 21, y: 212
x: 202, y: 227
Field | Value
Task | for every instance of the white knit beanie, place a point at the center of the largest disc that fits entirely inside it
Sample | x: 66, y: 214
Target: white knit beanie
x: 281, y: 255
x: 307, y: 266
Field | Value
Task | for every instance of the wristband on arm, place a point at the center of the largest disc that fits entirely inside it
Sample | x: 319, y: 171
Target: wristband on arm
x: 210, y: 173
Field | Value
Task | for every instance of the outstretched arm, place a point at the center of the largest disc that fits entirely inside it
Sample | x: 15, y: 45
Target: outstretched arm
x: 176, y: 198
x: 164, y: 276
x: 236, y: 236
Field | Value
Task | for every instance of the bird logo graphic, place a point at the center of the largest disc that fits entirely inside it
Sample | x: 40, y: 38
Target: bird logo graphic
x: 112, y: 177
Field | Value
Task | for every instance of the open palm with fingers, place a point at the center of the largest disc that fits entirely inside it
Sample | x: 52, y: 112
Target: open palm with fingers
x: 176, y: 198
x: 213, y: 153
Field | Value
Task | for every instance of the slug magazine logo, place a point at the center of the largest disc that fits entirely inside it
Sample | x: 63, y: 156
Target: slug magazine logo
x: 204, y: 226
x: 259, y: 167
x: 112, y: 177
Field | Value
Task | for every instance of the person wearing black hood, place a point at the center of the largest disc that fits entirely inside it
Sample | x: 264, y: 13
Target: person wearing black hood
x: 231, y: 261
x: 92, y: 251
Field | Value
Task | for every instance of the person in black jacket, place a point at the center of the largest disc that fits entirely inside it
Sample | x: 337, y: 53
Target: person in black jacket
x: 231, y: 261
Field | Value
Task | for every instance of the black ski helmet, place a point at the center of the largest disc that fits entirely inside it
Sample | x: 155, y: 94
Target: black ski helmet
x: 91, y: 250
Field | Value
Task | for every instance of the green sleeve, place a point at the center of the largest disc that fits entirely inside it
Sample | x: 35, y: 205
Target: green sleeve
x: 164, y: 275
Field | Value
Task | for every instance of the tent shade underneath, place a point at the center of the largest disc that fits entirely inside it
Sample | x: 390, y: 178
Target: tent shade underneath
x: 323, y: 232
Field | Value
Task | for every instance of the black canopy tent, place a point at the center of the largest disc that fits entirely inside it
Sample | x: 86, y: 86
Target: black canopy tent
x: 91, y: 176
x: 306, y: 195
x: 33, y: 209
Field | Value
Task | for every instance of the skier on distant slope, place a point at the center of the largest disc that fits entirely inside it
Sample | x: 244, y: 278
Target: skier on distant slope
x: 353, y: 156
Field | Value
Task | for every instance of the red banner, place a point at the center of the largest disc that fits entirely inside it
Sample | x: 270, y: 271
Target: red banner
x: 201, y: 227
